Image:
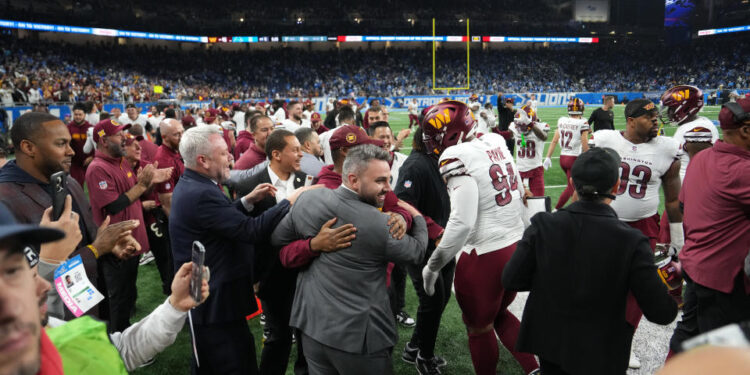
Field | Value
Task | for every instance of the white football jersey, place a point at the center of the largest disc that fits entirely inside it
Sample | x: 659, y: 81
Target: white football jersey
x: 141, y: 120
x: 641, y: 170
x: 289, y: 125
x: 306, y: 115
x: 481, y: 123
x: 488, y: 161
x: 413, y: 109
x: 679, y: 136
x: 571, y: 130
x: 279, y: 116
x: 529, y: 157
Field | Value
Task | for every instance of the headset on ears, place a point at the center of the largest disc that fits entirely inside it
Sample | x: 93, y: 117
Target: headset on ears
x: 739, y: 114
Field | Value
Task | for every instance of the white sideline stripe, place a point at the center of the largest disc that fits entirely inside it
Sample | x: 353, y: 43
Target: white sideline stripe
x: 554, y: 186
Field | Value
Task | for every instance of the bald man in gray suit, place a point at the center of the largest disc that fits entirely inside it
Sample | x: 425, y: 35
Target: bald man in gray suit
x: 341, y: 303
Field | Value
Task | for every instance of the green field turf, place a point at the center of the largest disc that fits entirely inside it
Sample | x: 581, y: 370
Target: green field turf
x: 452, y: 340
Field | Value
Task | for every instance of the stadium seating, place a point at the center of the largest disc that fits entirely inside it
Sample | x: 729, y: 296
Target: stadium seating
x: 112, y: 72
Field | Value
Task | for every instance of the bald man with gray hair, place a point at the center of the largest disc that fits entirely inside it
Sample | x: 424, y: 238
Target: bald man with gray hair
x: 168, y: 155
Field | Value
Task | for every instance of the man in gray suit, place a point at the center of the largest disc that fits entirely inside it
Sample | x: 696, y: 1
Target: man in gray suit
x: 341, y: 303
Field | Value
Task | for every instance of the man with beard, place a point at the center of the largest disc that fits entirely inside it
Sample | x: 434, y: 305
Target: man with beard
x: 132, y: 115
x: 116, y: 194
x: 649, y: 162
x: 42, y: 148
x: 341, y: 306
x: 309, y: 140
x: 78, y: 128
x: 294, y: 121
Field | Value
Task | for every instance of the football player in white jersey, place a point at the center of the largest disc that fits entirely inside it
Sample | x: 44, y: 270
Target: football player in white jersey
x: 572, y: 134
x: 309, y: 107
x: 648, y: 163
x: 413, y: 113
x: 476, y: 109
x: 680, y: 106
x: 485, y: 222
x: 530, y: 134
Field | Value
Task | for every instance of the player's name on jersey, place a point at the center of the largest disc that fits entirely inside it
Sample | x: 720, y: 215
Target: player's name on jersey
x: 496, y: 154
x: 637, y: 160
x: 569, y: 126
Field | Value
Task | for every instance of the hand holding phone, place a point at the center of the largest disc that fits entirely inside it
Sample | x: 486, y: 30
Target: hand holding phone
x: 199, y: 257
x: 59, y: 192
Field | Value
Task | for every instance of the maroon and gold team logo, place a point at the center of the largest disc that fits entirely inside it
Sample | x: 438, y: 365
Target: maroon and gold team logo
x: 351, y: 138
x: 115, y: 123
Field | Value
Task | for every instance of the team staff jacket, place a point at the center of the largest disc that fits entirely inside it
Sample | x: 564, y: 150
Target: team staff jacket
x: 579, y: 281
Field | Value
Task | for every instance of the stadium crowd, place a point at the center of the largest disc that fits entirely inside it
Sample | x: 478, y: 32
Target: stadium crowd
x: 36, y: 71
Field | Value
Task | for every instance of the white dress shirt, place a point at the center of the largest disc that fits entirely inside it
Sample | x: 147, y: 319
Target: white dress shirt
x: 283, y: 187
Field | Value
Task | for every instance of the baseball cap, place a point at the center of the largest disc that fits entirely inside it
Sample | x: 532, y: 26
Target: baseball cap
x: 595, y: 172
x: 350, y: 136
x: 734, y: 115
x: 24, y: 234
x: 509, y: 100
x: 639, y: 107
x: 129, y: 138
x: 108, y: 127
x: 130, y: 105
x: 210, y: 115
x: 315, y: 117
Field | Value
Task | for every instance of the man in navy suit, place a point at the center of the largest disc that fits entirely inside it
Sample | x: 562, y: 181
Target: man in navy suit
x: 201, y: 211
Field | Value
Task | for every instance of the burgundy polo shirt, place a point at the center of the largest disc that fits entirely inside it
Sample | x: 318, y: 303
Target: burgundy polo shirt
x: 244, y: 140
x: 169, y: 158
x: 148, y: 150
x: 716, y: 197
x: 77, y: 140
x: 107, y: 178
x: 250, y: 158
x: 149, y: 195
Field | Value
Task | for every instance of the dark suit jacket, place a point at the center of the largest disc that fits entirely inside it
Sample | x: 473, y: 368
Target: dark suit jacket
x: 273, y: 277
x: 579, y: 264
x: 201, y: 211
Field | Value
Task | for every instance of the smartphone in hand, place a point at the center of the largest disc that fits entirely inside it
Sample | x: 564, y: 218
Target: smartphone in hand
x: 59, y: 192
x: 196, y: 279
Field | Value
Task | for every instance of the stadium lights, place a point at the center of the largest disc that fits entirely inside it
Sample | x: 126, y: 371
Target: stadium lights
x: 304, y: 38
x: 242, y: 20
x: 612, y: 32
x: 299, y: 20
